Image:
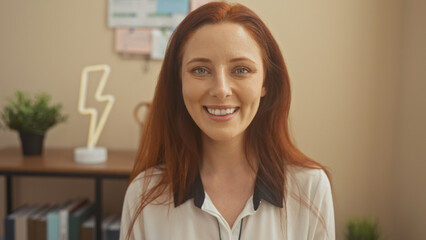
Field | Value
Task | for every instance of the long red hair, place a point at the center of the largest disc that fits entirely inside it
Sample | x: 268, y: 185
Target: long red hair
x: 171, y: 138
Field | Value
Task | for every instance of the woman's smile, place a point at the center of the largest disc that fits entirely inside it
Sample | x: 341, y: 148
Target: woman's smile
x: 221, y: 113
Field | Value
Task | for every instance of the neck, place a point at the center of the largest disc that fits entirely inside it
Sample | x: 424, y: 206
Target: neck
x: 224, y: 157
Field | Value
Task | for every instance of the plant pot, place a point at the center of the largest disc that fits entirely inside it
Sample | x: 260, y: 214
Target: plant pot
x: 32, y: 144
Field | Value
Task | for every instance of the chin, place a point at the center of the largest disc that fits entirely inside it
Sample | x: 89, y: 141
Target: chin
x: 219, y: 136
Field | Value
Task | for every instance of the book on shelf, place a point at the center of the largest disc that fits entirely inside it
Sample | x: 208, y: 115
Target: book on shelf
x: 113, y: 230
x: 9, y: 223
x: 41, y: 223
x: 21, y: 222
x: 87, y: 231
x: 34, y: 229
x: 53, y: 222
x: 77, y: 218
x: 64, y: 214
x: 105, y: 224
x: 46, y: 222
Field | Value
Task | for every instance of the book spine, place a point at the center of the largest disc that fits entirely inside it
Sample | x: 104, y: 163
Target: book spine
x: 19, y: 228
x: 42, y: 233
x: 53, y: 226
x: 63, y: 225
x: 32, y: 228
x: 74, y: 228
x: 9, y: 229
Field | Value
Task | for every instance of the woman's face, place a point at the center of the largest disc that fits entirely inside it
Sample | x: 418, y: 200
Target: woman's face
x: 222, y: 79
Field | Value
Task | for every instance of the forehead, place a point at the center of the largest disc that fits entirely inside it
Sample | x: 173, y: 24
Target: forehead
x: 222, y: 40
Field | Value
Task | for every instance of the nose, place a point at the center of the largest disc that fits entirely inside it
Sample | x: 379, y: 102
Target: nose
x: 221, y: 85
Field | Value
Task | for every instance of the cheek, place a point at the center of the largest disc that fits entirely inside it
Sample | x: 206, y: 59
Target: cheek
x: 190, y: 92
x: 254, y: 91
x: 186, y: 86
x: 250, y: 99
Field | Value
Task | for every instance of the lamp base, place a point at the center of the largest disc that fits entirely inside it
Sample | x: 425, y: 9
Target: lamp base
x: 90, y: 155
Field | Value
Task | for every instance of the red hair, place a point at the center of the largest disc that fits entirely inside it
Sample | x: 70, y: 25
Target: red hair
x: 171, y: 138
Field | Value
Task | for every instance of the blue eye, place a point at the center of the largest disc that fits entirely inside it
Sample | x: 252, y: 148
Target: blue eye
x: 242, y: 70
x: 200, y: 71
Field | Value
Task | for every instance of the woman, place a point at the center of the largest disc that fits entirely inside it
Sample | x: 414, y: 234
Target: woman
x: 216, y: 160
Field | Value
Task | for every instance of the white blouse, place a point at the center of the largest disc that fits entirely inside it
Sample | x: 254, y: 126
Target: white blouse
x: 308, y: 213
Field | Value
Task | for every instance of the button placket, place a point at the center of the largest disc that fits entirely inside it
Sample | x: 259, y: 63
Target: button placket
x: 224, y: 229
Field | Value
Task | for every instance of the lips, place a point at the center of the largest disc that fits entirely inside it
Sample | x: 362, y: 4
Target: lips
x: 221, y: 113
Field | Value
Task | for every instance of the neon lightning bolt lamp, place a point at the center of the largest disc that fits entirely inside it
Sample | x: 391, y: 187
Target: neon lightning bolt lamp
x: 91, y: 153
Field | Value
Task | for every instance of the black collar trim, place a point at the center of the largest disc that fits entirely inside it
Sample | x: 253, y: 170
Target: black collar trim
x: 260, y: 192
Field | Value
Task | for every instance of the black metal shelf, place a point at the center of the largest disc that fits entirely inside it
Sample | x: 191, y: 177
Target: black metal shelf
x: 97, y: 177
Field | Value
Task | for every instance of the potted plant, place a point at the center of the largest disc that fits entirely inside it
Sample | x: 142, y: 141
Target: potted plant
x: 31, y: 118
x: 362, y: 229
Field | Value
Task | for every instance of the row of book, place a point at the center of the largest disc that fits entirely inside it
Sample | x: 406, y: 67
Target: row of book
x: 71, y: 220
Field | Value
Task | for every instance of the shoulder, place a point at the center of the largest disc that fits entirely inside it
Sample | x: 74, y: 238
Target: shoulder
x: 307, y: 180
x: 145, y: 180
x: 310, y: 202
x: 132, y: 202
x: 306, y: 175
x: 154, y: 173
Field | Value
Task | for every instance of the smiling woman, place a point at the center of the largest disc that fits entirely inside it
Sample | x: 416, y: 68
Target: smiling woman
x: 217, y: 133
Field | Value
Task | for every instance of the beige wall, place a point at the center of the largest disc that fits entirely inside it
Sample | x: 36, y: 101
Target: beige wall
x: 410, y: 162
x: 353, y: 105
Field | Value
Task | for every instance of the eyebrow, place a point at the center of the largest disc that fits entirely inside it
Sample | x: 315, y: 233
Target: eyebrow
x: 239, y: 59
x: 198, y: 60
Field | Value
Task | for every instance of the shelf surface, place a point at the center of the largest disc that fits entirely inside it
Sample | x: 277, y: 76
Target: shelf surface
x: 61, y: 160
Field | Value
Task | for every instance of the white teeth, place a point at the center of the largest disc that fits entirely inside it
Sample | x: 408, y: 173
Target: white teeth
x: 221, y: 112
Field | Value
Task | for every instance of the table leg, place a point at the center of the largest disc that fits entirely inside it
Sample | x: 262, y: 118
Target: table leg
x: 8, y: 194
x: 98, y: 208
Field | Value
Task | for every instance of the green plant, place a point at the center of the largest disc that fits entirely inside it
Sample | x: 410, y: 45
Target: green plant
x: 362, y: 229
x: 31, y: 115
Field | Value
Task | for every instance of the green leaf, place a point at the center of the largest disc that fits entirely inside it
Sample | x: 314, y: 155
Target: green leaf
x: 362, y: 229
x: 32, y: 115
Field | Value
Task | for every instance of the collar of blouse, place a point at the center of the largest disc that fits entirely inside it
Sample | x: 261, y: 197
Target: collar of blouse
x: 261, y: 191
